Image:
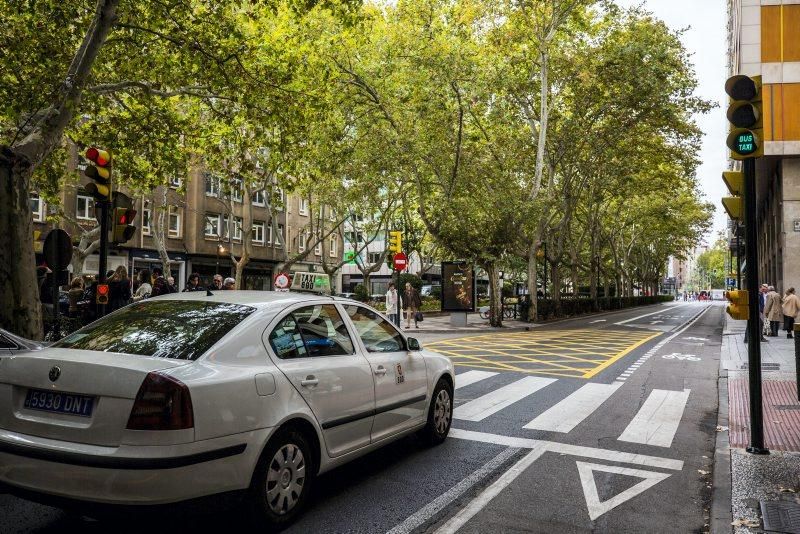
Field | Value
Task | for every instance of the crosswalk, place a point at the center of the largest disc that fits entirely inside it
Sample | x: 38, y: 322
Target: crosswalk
x: 655, y: 423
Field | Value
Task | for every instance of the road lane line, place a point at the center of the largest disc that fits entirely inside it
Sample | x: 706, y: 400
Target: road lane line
x: 428, y: 511
x: 657, y: 420
x: 470, y: 377
x: 478, y: 503
x: 571, y: 411
x: 642, y: 316
x: 620, y: 355
x: 483, y: 407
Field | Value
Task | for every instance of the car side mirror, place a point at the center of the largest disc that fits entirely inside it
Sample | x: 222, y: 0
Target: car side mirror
x: 413, y: 344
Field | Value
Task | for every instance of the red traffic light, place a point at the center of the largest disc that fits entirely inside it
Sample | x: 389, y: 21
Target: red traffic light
x: 98, y: 156
x: 102, y: 289
x: 126, y: 216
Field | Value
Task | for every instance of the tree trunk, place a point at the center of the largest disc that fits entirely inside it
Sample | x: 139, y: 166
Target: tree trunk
x: 20, y: 308
x: 495, y: 295
x: 593, y: 272
x: 556, y: 293
x: 532, y: 283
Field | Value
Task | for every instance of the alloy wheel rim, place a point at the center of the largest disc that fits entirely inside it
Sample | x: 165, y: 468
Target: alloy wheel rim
x: 442, y: 412
x: 286, y: 477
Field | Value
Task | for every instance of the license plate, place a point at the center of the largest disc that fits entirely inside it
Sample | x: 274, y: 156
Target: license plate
x: 51, y: 401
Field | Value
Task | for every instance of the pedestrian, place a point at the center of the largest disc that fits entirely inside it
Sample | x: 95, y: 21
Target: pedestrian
x: 229, y: 284
x: 193, y: 284
x: 119, y: 289
x: 413, y: 303
x: 160, y: 284
x: 216, y: 283
x: 773, y: 311
x: 74, y: 295
x: 791, y: 311
x: 763, y: 290
x: 391, y: 303
x: 145, y: 289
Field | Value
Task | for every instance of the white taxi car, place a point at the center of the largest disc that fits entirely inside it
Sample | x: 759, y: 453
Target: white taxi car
x: 191, y: 394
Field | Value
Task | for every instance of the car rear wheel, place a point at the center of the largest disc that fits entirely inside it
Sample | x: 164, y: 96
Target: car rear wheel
x: 440, y: 414
x: 282, y: 480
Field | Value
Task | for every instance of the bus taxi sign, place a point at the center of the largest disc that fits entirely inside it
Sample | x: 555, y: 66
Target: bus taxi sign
x: 311, y: 282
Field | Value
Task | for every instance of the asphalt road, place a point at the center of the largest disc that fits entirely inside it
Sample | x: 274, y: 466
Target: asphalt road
x: 628, y: 449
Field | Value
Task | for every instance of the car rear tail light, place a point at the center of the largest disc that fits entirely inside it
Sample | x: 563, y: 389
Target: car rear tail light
x: 162, y: 403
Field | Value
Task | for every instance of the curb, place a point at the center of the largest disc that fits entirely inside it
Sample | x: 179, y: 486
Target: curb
x: 721, y: 515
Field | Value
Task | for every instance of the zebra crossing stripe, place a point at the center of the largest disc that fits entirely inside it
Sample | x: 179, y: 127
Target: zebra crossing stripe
x: 483, y: 407
x: 470, y: 377
x: 572, y: 410
x: 657, y: 420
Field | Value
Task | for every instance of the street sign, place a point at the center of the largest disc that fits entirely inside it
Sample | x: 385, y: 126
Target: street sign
x: 400, y: 261
x: 58, y: 249
x: 282, y: 282
x: 313, y: 282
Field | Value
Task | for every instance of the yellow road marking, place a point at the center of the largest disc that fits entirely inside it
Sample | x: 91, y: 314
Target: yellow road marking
x: 620, y: 355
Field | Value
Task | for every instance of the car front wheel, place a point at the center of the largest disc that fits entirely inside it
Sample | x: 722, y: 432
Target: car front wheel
x: 282, y: 480
x: 440, y: 414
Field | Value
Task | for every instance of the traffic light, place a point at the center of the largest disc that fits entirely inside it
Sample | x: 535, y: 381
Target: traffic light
x: 395, y: 241
x: 738, y: 307
x: 123, y: 230
x: 100, y: 173
x: 101, y: 296
x: 733, y: 204
x: 746, y: 138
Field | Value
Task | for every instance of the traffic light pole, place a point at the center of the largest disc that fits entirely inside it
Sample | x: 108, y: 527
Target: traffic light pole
x: 754, y: 333
x: 103, y: 264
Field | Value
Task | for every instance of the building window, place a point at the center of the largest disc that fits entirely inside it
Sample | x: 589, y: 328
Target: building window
x: 333, y: 244
x: 301, y: 241
x: 146, y: 217
x: 354, y: 237
x: 236, y: 190
x: 175, y: 182
x: 374, y: 257
x: 303, y: 206
x: 212, y: 185
x: 258, y: 198
x: 37, y: 207
x: 281, y: 235
x: 174, y: 222
x: 84, y: 208
x: 318, y: 248
x: 237, y: 228
x: 258, y: 232
x: 212, y: 225
x: 280, y: 199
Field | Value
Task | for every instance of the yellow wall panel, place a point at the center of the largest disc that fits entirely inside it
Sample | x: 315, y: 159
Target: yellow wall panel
x: 770, y: 34
x: 791, y: 112
x: 791, y: 32
x: 767, y: 108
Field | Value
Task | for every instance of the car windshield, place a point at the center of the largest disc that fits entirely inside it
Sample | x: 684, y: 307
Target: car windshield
x: 175, y: 329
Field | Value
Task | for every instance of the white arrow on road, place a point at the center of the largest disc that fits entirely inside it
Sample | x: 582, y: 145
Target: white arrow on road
x: 696, y: 338
x: 594, y: 505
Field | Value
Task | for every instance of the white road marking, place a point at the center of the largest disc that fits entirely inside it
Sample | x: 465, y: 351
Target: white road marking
x: 641, y: 317
x: 483, y: 407
x: 657, y: 420
x: 442, y: 501
x: 692, y: 338
x: 597, y: 321
x: 656, y: 322
x: 568, y: 413
x: 679, y: 356
x: 593, y: 504
x: 565, y: 448
x: 478, y: 503
x: 470, y: 377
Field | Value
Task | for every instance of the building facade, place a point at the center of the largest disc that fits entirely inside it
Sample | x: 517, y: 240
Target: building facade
x: 764, y: 39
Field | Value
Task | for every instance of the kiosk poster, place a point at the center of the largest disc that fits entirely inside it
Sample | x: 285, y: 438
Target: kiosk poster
x: 458, y: 287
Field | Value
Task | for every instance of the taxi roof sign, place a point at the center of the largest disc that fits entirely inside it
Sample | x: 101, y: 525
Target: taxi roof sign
x: 311, y: 282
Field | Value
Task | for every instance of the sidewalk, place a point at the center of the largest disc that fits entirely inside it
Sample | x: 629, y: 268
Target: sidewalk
x: 441, y: 325
x: 758, y: 483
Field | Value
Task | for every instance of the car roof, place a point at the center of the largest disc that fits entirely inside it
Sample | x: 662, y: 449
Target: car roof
x: 257, y: 299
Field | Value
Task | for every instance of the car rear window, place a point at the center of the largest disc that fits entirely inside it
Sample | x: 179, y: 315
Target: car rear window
x: 176, y: 329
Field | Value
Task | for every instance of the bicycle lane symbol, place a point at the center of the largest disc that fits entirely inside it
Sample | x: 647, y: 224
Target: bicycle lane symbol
x: 679, y: 356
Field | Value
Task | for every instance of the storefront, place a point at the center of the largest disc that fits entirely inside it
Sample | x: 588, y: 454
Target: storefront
x: 147, y: 259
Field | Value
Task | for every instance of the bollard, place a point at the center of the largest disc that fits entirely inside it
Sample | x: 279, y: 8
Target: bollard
x: 797, y: 357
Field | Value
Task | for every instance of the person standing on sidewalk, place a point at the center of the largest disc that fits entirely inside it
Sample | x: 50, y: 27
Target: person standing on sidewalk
x: 761, y: 300
x: 412, y: 304
x: 791, y: 309
x: 773, y: 311
x: 391, y: 304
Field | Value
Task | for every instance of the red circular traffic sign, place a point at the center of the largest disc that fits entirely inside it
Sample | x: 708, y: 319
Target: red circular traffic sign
x: 282, y: 281
x: 400, y: 261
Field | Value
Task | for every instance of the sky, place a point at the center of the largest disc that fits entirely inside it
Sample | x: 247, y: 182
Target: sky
x: 705, y: 39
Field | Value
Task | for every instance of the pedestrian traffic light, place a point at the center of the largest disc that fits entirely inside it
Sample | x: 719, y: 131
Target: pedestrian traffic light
x: 100, y: 173
x: 745, y: 115
x: 738, y: 307
x: 395, y: 241
x: 102, y: 294
x: 733, y: 204
x: 123, y: 230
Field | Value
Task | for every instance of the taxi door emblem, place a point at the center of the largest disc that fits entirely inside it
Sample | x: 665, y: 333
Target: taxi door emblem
x: 399, y: 376
x: 55, y: 372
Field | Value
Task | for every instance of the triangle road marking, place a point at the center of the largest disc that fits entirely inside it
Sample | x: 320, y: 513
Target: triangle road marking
x: 593, y: 504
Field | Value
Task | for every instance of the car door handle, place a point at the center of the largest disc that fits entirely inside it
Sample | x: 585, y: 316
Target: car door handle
x: 380, y: 371
x: 310, y: 380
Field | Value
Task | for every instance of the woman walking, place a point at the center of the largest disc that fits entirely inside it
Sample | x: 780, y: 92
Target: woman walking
x: 119, y: 289
x: 144, y: 289
x: 412, y: 303
x: 74, y: 295
x: 791, y: 309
